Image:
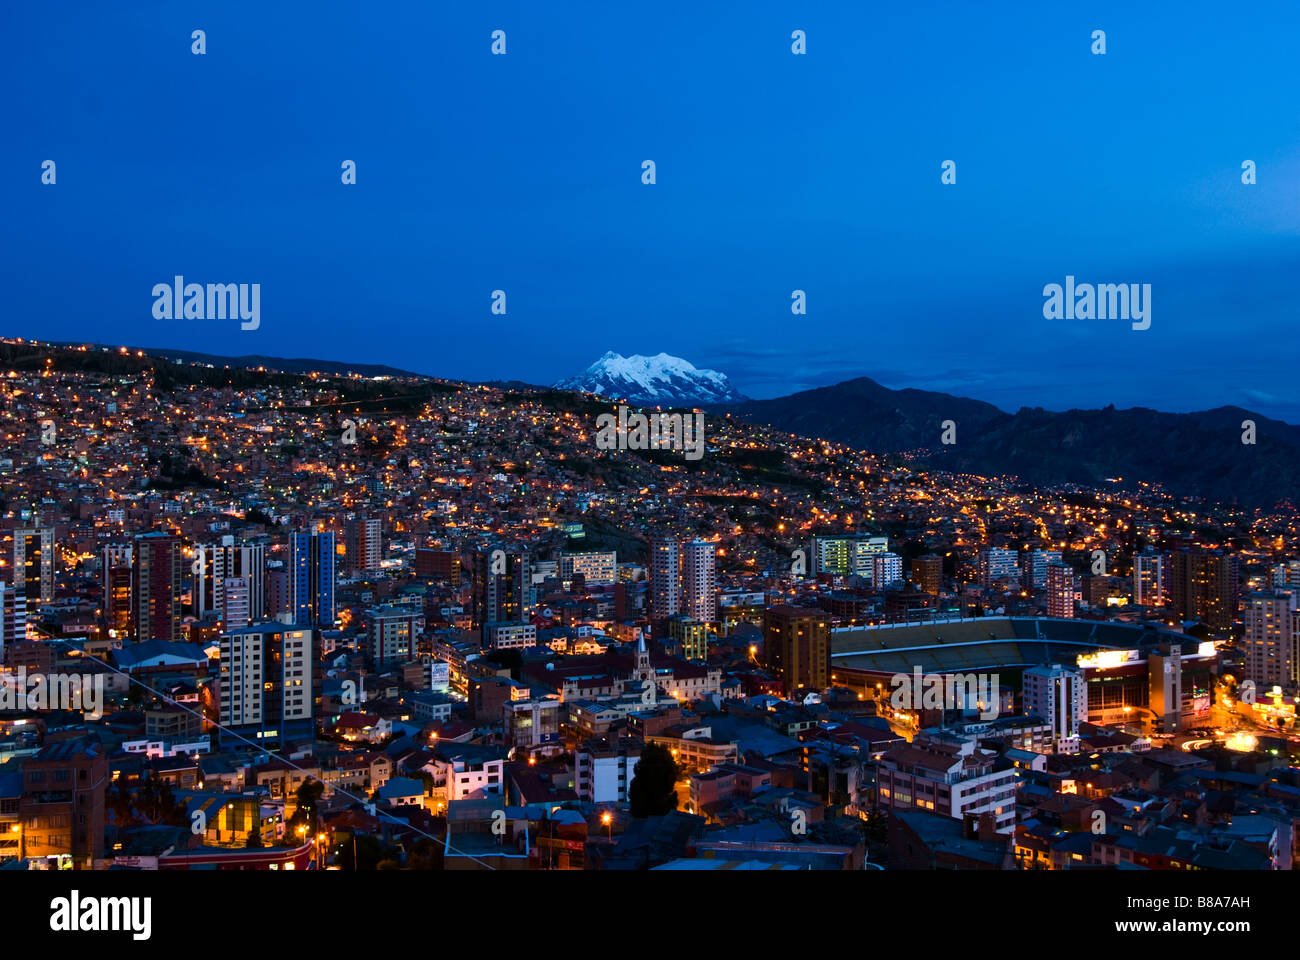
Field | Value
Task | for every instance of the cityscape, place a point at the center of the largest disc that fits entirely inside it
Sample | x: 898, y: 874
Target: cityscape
x: 849, y: 439
x: 262, y: 620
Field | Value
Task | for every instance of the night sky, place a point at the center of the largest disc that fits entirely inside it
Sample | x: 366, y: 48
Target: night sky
x: 775, y: 172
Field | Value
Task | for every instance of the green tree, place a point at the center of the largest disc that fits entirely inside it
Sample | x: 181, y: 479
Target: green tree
x: 654, y: 783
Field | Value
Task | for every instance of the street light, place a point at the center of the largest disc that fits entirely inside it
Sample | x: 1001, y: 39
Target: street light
x: 608, y: 820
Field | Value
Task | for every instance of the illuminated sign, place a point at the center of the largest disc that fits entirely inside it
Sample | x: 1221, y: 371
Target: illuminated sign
x: 1105, y: 659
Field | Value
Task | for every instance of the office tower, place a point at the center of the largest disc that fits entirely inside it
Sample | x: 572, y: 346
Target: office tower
x: 1165, y: 687
x: 33, y: 568
x: 311, y: 578
x: 927, y: 573
x: 61, y: 807
x: 501, y: 586
x: 234, y: 603
x: 531, y: 723
x: 665, y: 578
x: 597, y: 569
x: 438, y: 565
x: 1036, y: 562
x: 156, y: 588
x: 692, y: 634
x: 364, y: 548
x: 1058, y: 695
x: 391, y: 632
x: 998, y: 564
x: 797, y: 645
x: 1149, y: 586
x: 1203, y: 585
x: 265, y: 683
x: 1062, y: 586
x: 847, y: 555
x: 214, y: 564
x: 1271, y: 641
x: 886, y: 568
x: 699, y: 592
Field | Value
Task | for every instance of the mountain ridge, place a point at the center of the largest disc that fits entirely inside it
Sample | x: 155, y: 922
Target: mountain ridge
x: 1199, y: 453
x: 661, y: 380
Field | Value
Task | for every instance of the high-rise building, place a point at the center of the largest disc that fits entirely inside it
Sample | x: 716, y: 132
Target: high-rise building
x: 265, y: 683
x: 277, y: 593
x: 501, y: 585
x: 665, y: 578
x: 214, y: 564
x: 886, y: 568
x: 156, y: 587
x: 13, y: 617
x: 1036, y: 562
x: 1165, y: 687
x: 1286, y: 576
x: 927, y: 573
x: 1149, y: 586
x: 1057, y: 694
x: 364, y: 548
x: 115, y: 573
x: 1203, y: 585
x: 1271, y: 642
x: 597, y: 569
x: 847, y: 555
x: 997, y: 564
x: 797, y: 645
x: 234, y: 603
x: 1062, y: 589
x: 311, y: 578
x: 34, y: 566
x: 391, y: 633
x: 700, y: 580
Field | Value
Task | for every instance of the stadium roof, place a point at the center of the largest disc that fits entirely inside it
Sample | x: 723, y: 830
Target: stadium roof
x: 985, y: 643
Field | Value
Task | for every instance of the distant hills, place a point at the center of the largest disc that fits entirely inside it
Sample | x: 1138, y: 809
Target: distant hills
x: 281, y: 364
x: 1198, y: 454
x: 1195, y: 454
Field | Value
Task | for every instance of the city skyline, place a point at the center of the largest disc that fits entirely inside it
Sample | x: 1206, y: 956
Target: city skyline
x: 719, y: 438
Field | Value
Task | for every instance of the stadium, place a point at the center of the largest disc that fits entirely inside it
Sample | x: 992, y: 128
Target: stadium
x: 1113, y: 658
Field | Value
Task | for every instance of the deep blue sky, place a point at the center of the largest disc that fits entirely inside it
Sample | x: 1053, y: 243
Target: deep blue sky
x: 775, y: 172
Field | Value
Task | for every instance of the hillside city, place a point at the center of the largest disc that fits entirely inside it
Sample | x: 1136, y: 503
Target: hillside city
x: 257, y: 619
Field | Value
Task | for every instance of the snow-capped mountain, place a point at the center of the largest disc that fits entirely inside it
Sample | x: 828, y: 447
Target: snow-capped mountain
x: 660, y: 380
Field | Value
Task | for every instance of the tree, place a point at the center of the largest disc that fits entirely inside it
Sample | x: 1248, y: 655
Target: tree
x: 254, y: 841
x: 654, y: 783
x: 307, y: 807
